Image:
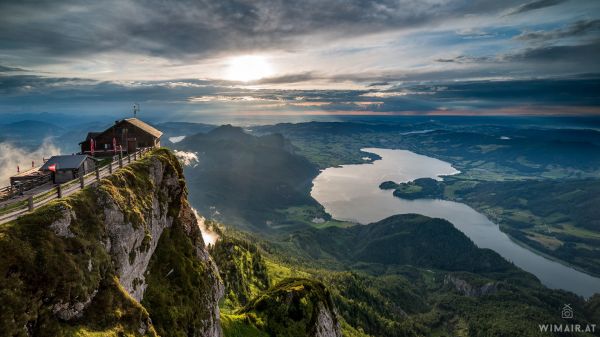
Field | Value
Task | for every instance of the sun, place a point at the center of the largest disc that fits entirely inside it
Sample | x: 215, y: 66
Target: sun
x: 248, y: 68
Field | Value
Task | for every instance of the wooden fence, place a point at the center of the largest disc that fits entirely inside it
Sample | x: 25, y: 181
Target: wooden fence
x: 11, y: 211
x: 9, y: 192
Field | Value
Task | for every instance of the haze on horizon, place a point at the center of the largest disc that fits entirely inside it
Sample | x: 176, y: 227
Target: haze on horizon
x: 183, y: 59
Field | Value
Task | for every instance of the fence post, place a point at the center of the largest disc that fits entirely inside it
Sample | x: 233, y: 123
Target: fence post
x: 129, y: 158
x: 82, y: 181
x: 110, y: 167
x: 120, y: 160
x: 59, y: 190
x: 30, y: 203
x: 135, y: 155
x: 97, y: 173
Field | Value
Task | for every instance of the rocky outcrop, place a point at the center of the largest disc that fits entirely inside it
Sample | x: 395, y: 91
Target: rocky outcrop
x: 61, y: 225
x: 131, y: 245
x: 467, y: 289
x: 67, y: 311
x: 297, y: 305
x: 326, y: 324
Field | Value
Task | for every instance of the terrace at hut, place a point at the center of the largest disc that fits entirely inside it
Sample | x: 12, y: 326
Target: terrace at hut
x: 28, y: 176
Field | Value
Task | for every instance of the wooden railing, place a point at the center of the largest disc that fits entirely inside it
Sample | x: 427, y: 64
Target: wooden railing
x: 9, y: 192
x: 10, y: 211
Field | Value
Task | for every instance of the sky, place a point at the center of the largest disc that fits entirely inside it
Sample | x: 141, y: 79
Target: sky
x: 182, y: 60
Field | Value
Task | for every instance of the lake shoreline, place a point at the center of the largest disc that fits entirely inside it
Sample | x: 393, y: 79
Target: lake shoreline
x: 352, y: 192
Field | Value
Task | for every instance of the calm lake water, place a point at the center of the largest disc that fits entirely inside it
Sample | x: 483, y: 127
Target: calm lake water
x: 352, y: 193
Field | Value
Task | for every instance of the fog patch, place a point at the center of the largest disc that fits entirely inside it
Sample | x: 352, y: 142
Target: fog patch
x: 318, y: 220
x: 187, y: 158
x: 208, y: 235
x: 176, y: 139
x: 11, y: 156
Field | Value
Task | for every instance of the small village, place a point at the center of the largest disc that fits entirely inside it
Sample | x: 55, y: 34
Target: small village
x: 100, y: 153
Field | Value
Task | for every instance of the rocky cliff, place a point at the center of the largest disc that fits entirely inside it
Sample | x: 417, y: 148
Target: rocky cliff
x: 295, y: 307
x: 266, y: 298
x: 122, y: 258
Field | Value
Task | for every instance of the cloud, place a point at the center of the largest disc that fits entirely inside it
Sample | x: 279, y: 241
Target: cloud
x: 50, y: 30
x: 209, y: 236
x: 7, y: 69
x: 288, y: 78
x: 187, y: 158
x: 378, y: 84
x: 11, y: 156
x: 583, y: 56
x: 467, y: 59
x: 534, y: 60
x: 184, y: 99
x: 538, y: 4
x: 574, y: 91
x: 575, y: 29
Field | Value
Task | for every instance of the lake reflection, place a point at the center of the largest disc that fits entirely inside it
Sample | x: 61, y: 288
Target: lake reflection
x: 352, y: 193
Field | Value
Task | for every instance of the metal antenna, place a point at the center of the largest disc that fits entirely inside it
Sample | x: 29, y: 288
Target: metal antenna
x: 136, y: 109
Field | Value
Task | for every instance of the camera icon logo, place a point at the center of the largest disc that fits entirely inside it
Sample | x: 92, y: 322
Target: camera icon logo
x: 567, y: 311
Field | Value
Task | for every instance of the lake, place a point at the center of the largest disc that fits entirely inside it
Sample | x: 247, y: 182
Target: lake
x: 351, y: 193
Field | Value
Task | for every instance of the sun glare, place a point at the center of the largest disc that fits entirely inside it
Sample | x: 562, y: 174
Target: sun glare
x: 248, y: 68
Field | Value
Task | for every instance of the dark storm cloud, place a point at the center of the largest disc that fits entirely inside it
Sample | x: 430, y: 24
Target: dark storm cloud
x: 289, y: 78
x: 193, y: 28
x: 7, y: 69
x: 576, y: 29
x: 378, y: 84
x: 164, y: 97
x: 473, y: 95
x: 584, y: 56
x: 31, y: 89
x: 466, y: 59
x: 570, y: 91
x: 544, y: 59
x: 538, y: 4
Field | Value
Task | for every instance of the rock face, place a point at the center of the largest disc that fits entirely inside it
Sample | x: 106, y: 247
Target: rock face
x: 326, y: 324
x: 295, y: 305
x: 131, y: 246
x: 468, y: 289
x: 86, y: 259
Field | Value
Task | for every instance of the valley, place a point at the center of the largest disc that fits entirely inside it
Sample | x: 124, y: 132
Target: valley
x: 318, y: 239
x: 352, y: 192
x: 260, y: 168
x: 531, y: 156
x: 312, y: 239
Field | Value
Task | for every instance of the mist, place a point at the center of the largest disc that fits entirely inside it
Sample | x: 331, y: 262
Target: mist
x: 208, y: 235
x: 11, y: 156
x: 187, y: 158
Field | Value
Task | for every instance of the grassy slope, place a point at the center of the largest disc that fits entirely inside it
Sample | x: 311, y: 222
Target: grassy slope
x: 179, y: 291
x: 391, y: 298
